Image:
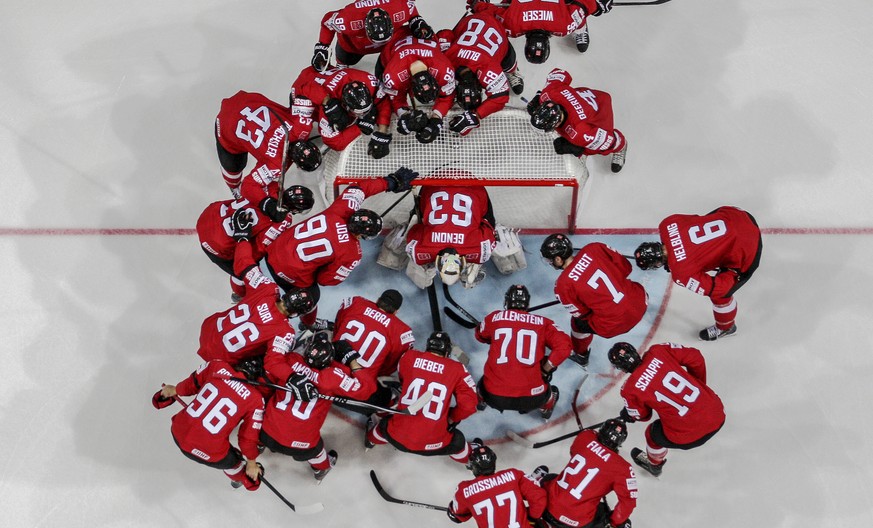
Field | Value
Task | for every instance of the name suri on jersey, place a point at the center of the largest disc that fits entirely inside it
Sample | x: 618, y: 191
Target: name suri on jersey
x: 488, y: 483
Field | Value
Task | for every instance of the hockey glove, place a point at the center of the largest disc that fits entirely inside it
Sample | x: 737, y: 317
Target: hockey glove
x: 401, y: 180
x: 319, y: 57
x: 420, y: 28
x: 344, y: 353
x: 464, y: 123
x: 336, y: 115
x: 533, y: 104
x: 625, y: 416
x: 242, y: 223
x: 411, y: 121
x: 546, y: 374
x: 562, y: 146
x: 270, y: 207
x: 367, y: 123
x: 429, y: 133
x: 159, y: 402
x: 378, y: 146
x: 603, y: 6
x: 452, y: 516
x: 303, y: 389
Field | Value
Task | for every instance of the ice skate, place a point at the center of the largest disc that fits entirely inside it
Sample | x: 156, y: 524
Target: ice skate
x: 618, y: 159
x: 319, y: 474
x: 582, y: 39
x: 547, y: 409
x: 712, y: 333
x: 642, y: 460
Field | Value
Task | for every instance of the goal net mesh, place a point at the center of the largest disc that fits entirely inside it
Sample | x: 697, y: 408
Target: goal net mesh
x: 530, y: 186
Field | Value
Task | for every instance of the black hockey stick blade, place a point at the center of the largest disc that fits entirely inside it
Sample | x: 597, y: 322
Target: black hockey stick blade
x: 448, y: 295
x: 544, y: 305
x: 385, y: 495
x: 648, y: 3
x: 576, y: 397
x: 536, y: 445
x: 456, y: 317
x: 302, y: 510
x: 434, y: 308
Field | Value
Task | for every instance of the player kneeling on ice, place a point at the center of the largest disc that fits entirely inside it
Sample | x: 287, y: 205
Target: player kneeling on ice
x: 292, y: 426
x: 325, y: 248
x: 497, y: 498
x: 433, y: 430
x: 713, y: 255
x: 577, y: 494
x: 202, y: 429
x: 517, y: 372
x: 671, y: 380
x: 582, y: 117
x: 595, y: 287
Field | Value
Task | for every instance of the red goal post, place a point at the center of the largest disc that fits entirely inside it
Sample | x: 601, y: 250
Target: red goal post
x: 530, y: 186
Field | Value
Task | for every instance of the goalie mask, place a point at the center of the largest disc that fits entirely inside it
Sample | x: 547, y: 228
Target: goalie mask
x: 650, y: 255
x: 612, y: 434
x: 547, y: 116
x: 449, y: 266
x: 319, y: 353
x: 624, y: 357
x: 424, y: 87
x: 468, y: 92
x: 357, y: 98
x: 305, y: 155
x: 536, y: 47
x: 298, y: 199
x: 378, y: 26
x: 517, y: 298
x: 365, y: 223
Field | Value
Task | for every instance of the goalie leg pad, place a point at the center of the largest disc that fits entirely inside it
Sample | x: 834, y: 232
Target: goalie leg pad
x: 393, y: 253
x: 508, y: 255
x: 422, y: 276
x: 472, y: 275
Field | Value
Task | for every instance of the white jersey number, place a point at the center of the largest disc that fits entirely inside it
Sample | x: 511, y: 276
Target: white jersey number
x: 461, y: 213
x: 489, y: 42
x: 676, y: 384
x: 707, y: 232
x: 243, y: 331
x: 574, y: 467
x: 216, y: 418
x: 525, y: 345
x: 253, y: 127
x: 370, y: 347
x: 508, y: 499
x: 434, y: 408
x: 317, y: 247
x: 598, y: 278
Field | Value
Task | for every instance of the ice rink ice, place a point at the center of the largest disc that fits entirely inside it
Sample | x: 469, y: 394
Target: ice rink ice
x: 108, y: 153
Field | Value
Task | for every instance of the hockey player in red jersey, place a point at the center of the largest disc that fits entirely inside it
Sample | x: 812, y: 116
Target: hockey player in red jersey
x: 576, y: 495
x: 456, y: 231
x: 713, y: 255
x: 415, y: 68
x: 250, y: 123
x: 581, y: 116
x: 517, y: 372
x: 261, y: 322
x: 293, y: 427
x: 375, y: 331
x: 433, y: 430
x: 341, y: 100
x: 325, y: 248
x: 496, y: 498
x: 215, y: 230
x: 671, y: 380
x: 365, y: 27
x: 202, y: 429
x: 594, y: 287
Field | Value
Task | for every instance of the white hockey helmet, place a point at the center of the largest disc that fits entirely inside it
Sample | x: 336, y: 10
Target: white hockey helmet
x: 449, y: 264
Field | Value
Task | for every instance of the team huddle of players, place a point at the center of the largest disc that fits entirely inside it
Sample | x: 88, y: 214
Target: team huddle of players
x: 277, y: 383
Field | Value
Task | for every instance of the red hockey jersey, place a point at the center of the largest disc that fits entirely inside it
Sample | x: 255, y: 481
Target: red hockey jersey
x: 215, y: 231
x: 596, y: 287
x: 348, y: 23
x: 498, y: 499
x: 552, y: 16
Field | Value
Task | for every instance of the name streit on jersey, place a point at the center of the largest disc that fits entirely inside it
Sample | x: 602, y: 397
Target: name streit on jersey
x: 488, y: 483
x: 536, y: 16
x: 649, y: 374
x: 676, y: 242
x: 580, y: 267
x: 509, y: 315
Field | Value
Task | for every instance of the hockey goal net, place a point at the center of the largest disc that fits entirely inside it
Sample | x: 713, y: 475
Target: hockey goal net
x: 530, y: 186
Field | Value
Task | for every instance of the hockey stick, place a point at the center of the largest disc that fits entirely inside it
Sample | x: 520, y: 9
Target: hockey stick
x: 651, y: 2
x: 434, y: 308
x: 454, y: 316
x: 575, y: 397
x: 544, y: 305
x: 448, y: 295
x: 302, y: 510
x: 396, y: 202
x: 517, y: 438
x: 416, y: 406
x: 389, y: 498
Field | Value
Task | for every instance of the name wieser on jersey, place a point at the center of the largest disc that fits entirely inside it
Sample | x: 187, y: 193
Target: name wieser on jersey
x: 538, y: 16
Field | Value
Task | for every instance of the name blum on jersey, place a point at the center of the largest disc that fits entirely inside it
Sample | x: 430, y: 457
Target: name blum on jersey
x: 438, y: 237
x: 649, y: 374
x: 537, y: 16
x: 511, y: 315
x: 488, y: 483
x: 428, y: 365
x: 580, y: 267
x: 469, y: 55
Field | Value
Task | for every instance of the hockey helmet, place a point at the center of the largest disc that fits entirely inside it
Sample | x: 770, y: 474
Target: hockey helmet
x: 298, y: 301
x: 439, y: 343
x: 612, y: 433
x: 252, y: 368
x: 424, y: 87
x: 517, y: 297
x: 449, y: 265
x: 650, y: 255
x: 483, y: 460
x: 624, y: 357
x: 536, y: 46
x: 547, y: 116
x: 554, y: 246
x: 305, y: 155
x: 357, y: 98
x: 298, y: 199
x: 390, y: 301
x: 365, y: 223
x: 319, y: 353
x: 468, y: 92
x: 378, y: 25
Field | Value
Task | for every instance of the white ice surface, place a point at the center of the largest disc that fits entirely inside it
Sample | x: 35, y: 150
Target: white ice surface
x: 106, y: 123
